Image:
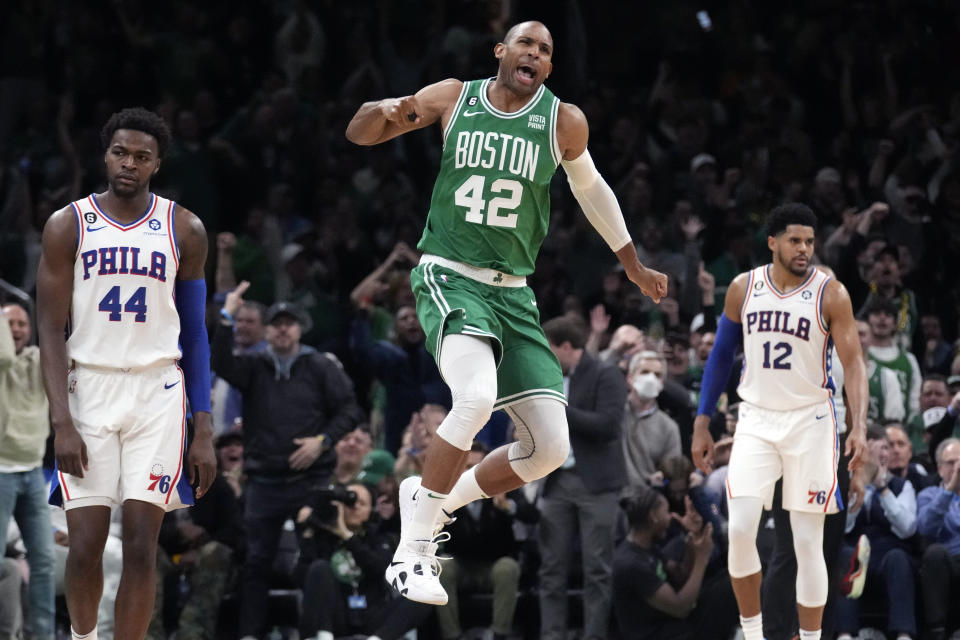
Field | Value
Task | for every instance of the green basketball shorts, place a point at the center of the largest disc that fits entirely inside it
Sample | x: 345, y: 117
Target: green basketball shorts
x: 456, y: 298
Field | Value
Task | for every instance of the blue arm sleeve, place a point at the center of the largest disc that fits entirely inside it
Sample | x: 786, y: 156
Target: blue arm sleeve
x: 191, y: 301
x: 717, y: 370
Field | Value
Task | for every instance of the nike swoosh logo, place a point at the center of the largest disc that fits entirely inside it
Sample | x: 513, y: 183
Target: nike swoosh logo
x: 432, y: 495
x: 172, y: 385
x: 415, y: 494
x: 470, y: 114
x: 821, y: 417
x: 92, y: 229
x: 395, y: 563
x: 757, y: 294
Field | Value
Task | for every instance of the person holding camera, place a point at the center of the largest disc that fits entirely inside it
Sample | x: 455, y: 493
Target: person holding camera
x: 343, y: 554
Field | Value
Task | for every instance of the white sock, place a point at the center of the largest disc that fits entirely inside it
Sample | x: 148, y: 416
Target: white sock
x: 752, y: 627
x: 429, y: 505
x: 809, y: 635
x: 464, y: 492
x: 91, y: 635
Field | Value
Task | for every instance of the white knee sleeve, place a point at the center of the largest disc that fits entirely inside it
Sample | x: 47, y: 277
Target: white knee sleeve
x: 812, y: 578
x: 469, y: 369
x: 742, y: 558
x: 543, y: 442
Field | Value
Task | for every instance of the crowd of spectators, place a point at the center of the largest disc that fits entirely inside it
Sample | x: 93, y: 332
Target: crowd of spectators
x: 701, y: 123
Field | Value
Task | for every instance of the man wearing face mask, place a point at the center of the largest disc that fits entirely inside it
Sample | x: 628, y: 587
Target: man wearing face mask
x: 649, y: 435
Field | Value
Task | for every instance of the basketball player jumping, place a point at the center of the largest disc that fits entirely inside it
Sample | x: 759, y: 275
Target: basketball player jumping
x: 124, y: 270
x: 788, y: 316
x: 503, y: 138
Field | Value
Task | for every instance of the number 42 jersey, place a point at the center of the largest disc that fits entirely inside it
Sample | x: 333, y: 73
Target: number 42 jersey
x: 123, y: 313
x: 787, y: 349
x: 490, y: 206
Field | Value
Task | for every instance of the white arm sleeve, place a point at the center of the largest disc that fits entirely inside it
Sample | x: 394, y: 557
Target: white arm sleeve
x: 597, y: 200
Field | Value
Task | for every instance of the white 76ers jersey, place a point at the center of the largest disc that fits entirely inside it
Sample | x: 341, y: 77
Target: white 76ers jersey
x: 123, y: 313
x: 786, y: 345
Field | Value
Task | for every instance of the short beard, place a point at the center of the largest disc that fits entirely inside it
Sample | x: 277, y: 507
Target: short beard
x: 795, y: 271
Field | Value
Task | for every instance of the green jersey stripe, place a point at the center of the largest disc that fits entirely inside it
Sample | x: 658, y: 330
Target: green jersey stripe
x: 435, y: 293
x: 554, y: 144
x: 456, y: 112
x: 527, y: 395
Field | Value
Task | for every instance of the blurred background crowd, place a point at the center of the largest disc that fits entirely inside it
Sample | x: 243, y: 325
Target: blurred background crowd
x: 703, y: 117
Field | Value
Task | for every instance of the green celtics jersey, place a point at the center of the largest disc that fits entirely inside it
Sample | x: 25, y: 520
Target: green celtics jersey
x: 876, y: 392
x: 491, y: 202
x: 901, y: 366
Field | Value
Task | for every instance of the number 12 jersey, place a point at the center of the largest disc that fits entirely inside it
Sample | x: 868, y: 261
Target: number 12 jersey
x: 787, y: 349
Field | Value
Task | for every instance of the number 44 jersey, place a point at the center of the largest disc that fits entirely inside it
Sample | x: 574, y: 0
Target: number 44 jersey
x: 491, y: 202
x: 787, y: 348
x: 123, y: 313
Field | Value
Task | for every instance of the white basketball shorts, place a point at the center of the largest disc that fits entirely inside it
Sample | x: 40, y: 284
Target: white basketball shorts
x: 133, y: 423
x: 800, y: 445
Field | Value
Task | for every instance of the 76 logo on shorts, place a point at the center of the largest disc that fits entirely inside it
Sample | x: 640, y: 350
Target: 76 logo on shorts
x: 158, y: 480
x: 820, y: 497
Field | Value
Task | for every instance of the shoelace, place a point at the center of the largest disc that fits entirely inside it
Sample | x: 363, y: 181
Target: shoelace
x: 427, y: 550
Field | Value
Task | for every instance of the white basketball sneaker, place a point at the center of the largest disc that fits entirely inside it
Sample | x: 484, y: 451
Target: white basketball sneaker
x: 415, y: 569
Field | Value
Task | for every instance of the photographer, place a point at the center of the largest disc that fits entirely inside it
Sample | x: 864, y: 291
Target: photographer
x: 343, y: 555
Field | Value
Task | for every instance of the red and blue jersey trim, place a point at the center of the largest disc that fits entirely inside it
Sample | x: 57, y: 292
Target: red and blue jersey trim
x: 780, y: 294
x: 118, y: 225
x: 180, y: 481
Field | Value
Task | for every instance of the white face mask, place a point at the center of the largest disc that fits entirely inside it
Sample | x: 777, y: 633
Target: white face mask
x: 647, y: 385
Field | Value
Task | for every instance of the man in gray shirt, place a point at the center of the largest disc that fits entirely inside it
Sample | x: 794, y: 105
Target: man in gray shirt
x: 649, y: 435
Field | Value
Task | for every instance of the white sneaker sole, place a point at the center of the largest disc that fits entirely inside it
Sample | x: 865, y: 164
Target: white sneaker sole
x: 398, y: 582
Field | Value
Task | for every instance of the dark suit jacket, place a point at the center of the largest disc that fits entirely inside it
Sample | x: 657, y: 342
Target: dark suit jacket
x: 597, y: 397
